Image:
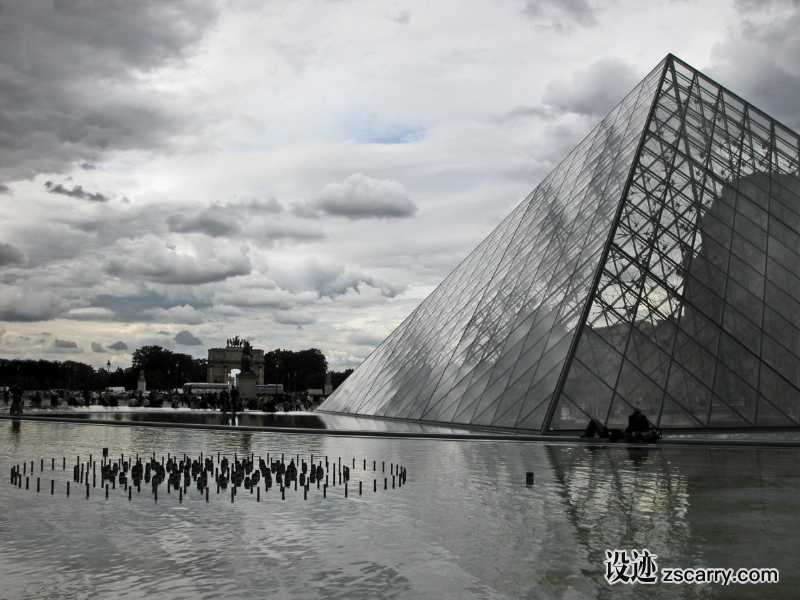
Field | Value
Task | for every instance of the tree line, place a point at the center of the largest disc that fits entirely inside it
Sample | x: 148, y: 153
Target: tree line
x: 164, y: 369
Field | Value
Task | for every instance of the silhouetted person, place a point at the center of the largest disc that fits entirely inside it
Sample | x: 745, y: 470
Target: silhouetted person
x: 639, y: 429
x: 596, y: 427
x: 16, y: 400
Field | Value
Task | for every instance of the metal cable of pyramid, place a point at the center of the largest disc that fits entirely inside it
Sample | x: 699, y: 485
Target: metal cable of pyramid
x: 658, y: 267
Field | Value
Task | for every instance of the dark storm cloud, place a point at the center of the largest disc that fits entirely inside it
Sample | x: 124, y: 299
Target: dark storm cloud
x: 118, y: 346
x: 65, y: 344
x: 136, y: 306
x: 10, y: 255
x: 561, y: 12
x: 4, y: 189
x: 759, y: 62
x: 361, y: 197
x: 594, y: 90
x: 64, y: 65
x: 185, y: 338
x: 75, y: 192
x: 87, y: 166
x: 97, y: 347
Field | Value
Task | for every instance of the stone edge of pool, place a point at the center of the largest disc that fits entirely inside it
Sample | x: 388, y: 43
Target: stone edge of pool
x: 476, y: 436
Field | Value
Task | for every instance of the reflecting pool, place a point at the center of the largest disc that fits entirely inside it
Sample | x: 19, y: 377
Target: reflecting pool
x: 464, y: 525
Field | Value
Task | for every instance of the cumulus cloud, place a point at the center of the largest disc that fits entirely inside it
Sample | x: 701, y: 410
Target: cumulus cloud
x: 273, y: 234
x: 185, y: 338
x: 149, y: 260
x: 10, y: 255
x: 212, y: 222
x: 594, y: 90
x: 17, y: 304
x: 525, y: 112
x: 329, y: 279
x: 561, y: 13
x: 257, y: 205
x: 293, y: 317
x: 758, y: 5
x: 402, y: 17
x: 64, y: 343
x: 364, y: 338
x: 185, y: 315
x: 97, y: 347
x: 118, y: 346
x: 75, y: 192
x: 361, y: 197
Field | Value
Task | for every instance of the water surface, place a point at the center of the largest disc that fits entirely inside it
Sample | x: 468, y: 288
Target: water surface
x: 465, y: 525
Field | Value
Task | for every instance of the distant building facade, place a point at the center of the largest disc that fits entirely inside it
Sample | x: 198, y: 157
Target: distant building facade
x: 222, y: 360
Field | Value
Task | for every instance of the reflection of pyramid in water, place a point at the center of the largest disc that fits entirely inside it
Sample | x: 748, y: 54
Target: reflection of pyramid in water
x: 658, y: 265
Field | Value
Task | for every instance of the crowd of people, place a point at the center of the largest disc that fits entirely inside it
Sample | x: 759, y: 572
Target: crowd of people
x: 231, y: 402
x: 223, y: 400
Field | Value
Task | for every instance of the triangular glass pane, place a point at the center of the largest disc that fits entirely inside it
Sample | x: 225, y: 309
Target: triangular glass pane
x: 780, y: 392
x: 737, y: 394
x: 619, y: 413
x: 695, y: 398
x: 536, y: 418
x: 723, y: 416
x: 568, y: 416
x: 592, y: 395
x: 769, y: 416
x: 674, y: 417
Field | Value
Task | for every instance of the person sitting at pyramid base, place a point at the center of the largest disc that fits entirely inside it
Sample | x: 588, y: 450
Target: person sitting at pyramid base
x: 639, y: 428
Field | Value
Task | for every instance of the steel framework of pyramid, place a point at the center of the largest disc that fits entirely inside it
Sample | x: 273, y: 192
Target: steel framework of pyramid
x: 657, y: 266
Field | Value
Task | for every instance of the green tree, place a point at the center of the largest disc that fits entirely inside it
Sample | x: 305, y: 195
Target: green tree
x: 297, y: 371
x: 338, y: 377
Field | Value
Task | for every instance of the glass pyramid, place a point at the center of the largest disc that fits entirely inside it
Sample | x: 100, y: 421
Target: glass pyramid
x: 657, y: 266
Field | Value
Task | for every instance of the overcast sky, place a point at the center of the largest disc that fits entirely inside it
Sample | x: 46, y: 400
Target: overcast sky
x: 304, y: 173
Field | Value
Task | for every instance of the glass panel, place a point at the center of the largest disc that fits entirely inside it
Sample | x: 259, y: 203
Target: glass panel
x: 694, y: 397
x: 782, y: 394
x: 591, y: 394
x: 674, y: 416
x: 769, y: 416
x: 699, y: 291
x: 619, y: 413
x: 736, y: 393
